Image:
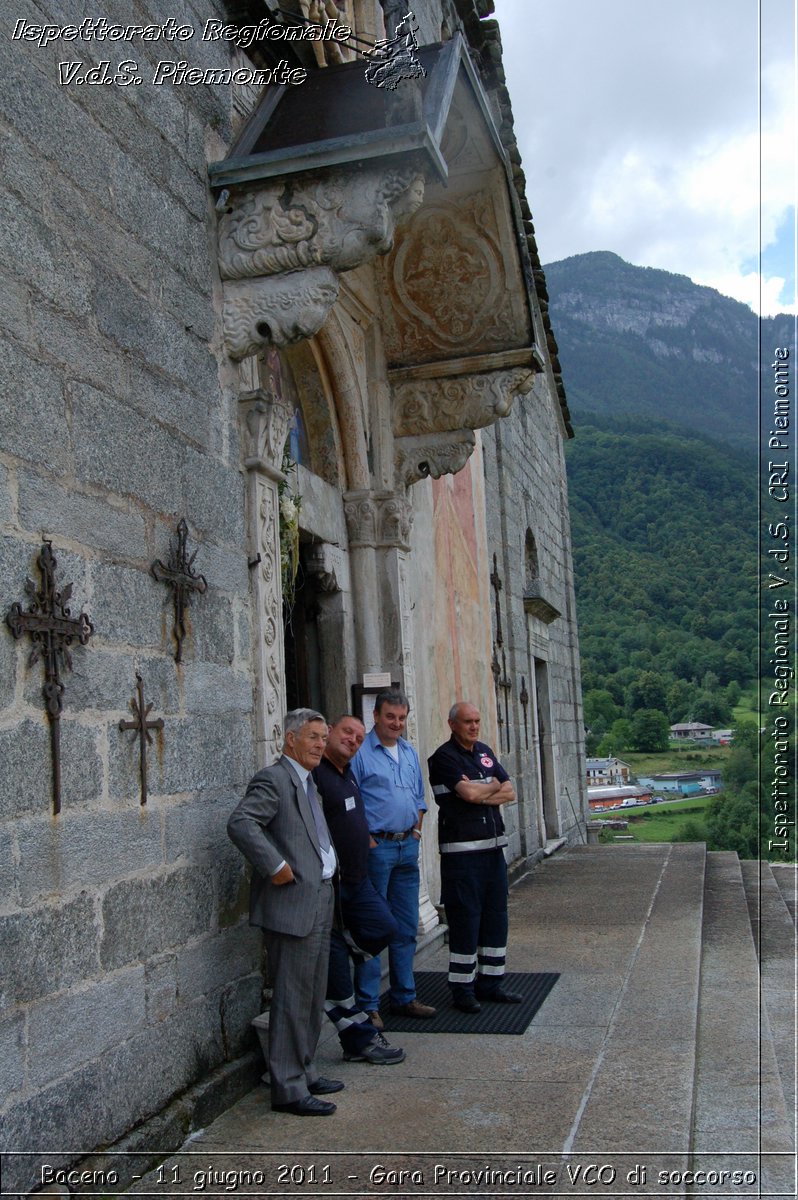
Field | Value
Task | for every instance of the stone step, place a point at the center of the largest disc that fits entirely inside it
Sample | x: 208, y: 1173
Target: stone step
x: 775, y: 937
x: 641, y: 1091
x: 786, y: 876
x: 739, y: 1106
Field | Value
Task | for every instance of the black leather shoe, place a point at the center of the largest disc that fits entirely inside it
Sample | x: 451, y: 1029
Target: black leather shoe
x: 502, y: 997
x: 468, y: 1004
x: 308, y: 1106
x: 323, y: 1087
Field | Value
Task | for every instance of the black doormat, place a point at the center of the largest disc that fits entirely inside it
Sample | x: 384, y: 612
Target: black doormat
x: 433, y: 988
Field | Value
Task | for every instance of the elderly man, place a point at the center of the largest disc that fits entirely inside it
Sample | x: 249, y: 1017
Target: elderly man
x: 470, y: 786
x: 280, y: 829
x: 363, y: 924
x: 387, y: 770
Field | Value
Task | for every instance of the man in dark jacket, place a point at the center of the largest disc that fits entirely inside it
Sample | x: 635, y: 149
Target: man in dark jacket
x: 470, y: 786
x: 363, y: 924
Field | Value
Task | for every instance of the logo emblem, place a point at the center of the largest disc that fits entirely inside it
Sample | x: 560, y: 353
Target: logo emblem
x: 486, y: 760
x: 394, y: 58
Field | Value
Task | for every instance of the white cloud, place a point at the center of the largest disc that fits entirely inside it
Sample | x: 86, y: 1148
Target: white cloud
x: 640, y: 133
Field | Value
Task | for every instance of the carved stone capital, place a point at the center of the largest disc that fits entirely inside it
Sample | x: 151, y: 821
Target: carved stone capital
x: 264, y: 422
x: 281, y: 248
x: 432, y: 455
x: 378, y: 519
x: 423, y: 406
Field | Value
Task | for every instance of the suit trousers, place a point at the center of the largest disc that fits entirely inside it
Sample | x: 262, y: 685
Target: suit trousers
x: 298, y: 970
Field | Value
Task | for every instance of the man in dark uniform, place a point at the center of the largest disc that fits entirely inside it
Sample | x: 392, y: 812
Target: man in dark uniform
x: 470, y: 785
x: 363, y: 924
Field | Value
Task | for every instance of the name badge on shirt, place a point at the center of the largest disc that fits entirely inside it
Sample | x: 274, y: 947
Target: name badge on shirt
x: 350, y: 803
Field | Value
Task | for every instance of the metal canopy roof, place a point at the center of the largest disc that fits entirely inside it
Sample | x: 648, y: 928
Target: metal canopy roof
x: 336, y: 117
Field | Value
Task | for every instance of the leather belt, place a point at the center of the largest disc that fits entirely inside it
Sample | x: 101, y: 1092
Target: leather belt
x: 389, y: 836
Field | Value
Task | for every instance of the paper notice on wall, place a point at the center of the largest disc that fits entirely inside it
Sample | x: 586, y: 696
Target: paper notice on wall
x: 379, y: 679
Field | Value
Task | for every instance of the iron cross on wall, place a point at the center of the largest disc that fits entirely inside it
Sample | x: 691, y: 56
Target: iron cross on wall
x: 52, y: 629
x: 178, y: 574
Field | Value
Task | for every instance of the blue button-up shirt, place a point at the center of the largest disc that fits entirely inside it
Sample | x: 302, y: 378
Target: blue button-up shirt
x: 393, y: 792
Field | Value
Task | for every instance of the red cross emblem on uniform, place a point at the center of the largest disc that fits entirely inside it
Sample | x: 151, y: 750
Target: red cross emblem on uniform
x: 486, y: 761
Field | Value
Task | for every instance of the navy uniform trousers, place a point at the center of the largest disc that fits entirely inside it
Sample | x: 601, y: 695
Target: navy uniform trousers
x: 367, y: 925
x: 474, y: 894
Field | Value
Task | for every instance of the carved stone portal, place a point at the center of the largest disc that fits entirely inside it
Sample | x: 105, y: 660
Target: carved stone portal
x: 281, y: 248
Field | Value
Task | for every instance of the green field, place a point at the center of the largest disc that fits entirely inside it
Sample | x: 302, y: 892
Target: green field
x: 660, y: 822
x: 677, y: 758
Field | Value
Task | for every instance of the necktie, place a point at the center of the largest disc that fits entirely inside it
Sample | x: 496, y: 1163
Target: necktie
x: 318, y: 815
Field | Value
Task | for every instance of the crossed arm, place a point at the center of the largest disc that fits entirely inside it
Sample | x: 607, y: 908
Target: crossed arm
x: 485, y: 791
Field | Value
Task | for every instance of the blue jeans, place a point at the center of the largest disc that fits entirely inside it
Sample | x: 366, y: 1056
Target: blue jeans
x: 393, y: 869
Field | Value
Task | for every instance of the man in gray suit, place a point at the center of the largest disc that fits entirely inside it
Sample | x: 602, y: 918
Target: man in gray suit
x: 280, y: 829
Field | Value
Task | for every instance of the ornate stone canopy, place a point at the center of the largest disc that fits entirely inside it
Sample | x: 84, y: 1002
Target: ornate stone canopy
x: 336, y: 173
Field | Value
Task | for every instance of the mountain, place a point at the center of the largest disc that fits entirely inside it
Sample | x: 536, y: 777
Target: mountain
x: 661, y: 379
x: 644, y: 342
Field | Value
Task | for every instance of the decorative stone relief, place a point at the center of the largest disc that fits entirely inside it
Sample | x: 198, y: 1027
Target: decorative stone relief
x: 433, y: 455
x: 381, y: 519
x: 277, y: 310
x: 453, y: 285
x: 423, y: 406
x: 281, y: 246
x: 265, y: 418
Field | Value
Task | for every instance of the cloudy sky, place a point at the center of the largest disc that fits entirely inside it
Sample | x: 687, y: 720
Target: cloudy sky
x: 640, y: 132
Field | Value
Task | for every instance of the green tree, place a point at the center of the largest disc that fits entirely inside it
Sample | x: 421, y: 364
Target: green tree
x: 648, y: 731
x: 598, y: 705
x: 646, y: 691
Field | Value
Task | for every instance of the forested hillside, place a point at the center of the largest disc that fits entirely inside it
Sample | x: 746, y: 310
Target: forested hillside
x: 664, y: 535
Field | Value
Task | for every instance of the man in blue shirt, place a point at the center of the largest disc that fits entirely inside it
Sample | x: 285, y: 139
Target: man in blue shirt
x: 388, y: 773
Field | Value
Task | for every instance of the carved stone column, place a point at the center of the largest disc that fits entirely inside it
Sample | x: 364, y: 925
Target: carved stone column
x: 264, y: 421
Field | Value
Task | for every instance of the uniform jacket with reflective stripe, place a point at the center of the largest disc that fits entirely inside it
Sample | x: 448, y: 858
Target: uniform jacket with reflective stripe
x: 464, y: 826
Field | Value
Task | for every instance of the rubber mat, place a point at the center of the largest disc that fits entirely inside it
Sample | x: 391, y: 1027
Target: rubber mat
x: 432, y: 987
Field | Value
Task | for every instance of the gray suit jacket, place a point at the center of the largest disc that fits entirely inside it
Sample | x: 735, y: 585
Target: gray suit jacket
x: 273, y: 822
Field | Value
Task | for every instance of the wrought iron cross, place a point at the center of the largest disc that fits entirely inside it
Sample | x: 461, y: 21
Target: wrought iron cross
x: 506, y: 684
x: 179, y: 575
x: 496, y: 584
x: 52, y: 630
x: 524, y: 698
x: 142, y: 727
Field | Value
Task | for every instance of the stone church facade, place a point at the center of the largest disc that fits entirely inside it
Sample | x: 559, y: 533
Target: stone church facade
x: 253, y: 339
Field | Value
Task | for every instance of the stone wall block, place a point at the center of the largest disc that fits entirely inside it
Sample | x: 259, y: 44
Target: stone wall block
x: 131, y: 610
x: 213, y: 496
x: 38, y: 258
x: 26, y: 773
x: 232, y: 884
x: 146, y: 1072
x: 71, y: 1114
x: 43, y: 504
x: 84, y: 849
x: 161, y: 986
x: 206, y: 752
x: 47, y: 948
x: 179, y: 406
x: 211, y: 640
x: 197, y: 827
x: 14, y: 312
x: 149, y: 468
x: 210, y: 964
x: 212, y: 688
x: 70, y: 1030
x: 240, y: 1002
x: 39, y: 431
x: 146, y: 916
x: 12, y: 1051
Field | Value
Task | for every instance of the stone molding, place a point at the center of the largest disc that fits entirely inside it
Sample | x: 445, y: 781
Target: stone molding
x: 464, y: 402
x: 378, y: 519
x: 432, y: 455
x: 281, y: 248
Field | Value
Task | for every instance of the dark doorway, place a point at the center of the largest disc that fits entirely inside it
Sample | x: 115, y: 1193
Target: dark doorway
x: 303, y: 686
